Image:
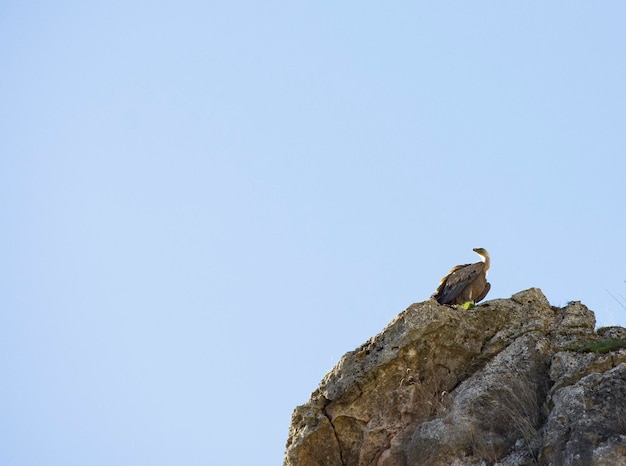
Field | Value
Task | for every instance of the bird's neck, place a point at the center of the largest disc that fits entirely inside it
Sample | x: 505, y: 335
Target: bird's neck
x: 487, y: 262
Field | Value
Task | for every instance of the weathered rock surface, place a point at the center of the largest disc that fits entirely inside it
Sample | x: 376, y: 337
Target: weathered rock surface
x: 496, y: 384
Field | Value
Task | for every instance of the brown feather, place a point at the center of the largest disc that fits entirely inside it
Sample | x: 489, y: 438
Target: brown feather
x: 464, y: 283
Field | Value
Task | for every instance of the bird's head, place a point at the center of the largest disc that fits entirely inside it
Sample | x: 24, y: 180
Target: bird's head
x: 482, y: 252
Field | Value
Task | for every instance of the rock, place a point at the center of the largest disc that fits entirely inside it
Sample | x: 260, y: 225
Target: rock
x: 615, y: 333
x: 500, y: 383
x: 588, y: 420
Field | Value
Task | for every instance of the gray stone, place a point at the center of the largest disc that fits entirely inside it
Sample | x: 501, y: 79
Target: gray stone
x: 495, y: 384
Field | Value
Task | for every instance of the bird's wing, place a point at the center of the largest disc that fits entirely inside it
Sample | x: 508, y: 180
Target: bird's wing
x: 484, y: 293
x: 443, y: 286
x: 456, y: 280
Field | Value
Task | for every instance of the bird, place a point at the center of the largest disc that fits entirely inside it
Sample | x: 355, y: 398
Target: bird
x: 465, y: 283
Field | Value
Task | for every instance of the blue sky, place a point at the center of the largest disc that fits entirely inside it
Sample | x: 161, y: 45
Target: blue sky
x: 206, y: 204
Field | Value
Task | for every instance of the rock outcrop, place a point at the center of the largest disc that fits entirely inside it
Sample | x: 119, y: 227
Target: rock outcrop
x: 509, y: 382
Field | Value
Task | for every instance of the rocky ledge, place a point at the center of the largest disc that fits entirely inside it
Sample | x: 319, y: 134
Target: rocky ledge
x: 509, y: 382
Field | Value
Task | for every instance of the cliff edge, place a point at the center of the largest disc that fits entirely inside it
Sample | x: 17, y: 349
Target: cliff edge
x: 508, y: 382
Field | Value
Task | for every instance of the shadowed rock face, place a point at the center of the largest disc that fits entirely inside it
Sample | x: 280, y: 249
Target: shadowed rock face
x: 498, y: 383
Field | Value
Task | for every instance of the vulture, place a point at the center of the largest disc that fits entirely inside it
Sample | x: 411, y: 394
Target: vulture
x: 465, y: 283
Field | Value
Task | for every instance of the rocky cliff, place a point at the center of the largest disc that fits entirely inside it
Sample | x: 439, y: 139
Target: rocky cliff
x: 509, y: 382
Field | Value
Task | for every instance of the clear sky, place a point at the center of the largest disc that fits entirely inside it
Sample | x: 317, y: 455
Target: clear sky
x: 206, y: 204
